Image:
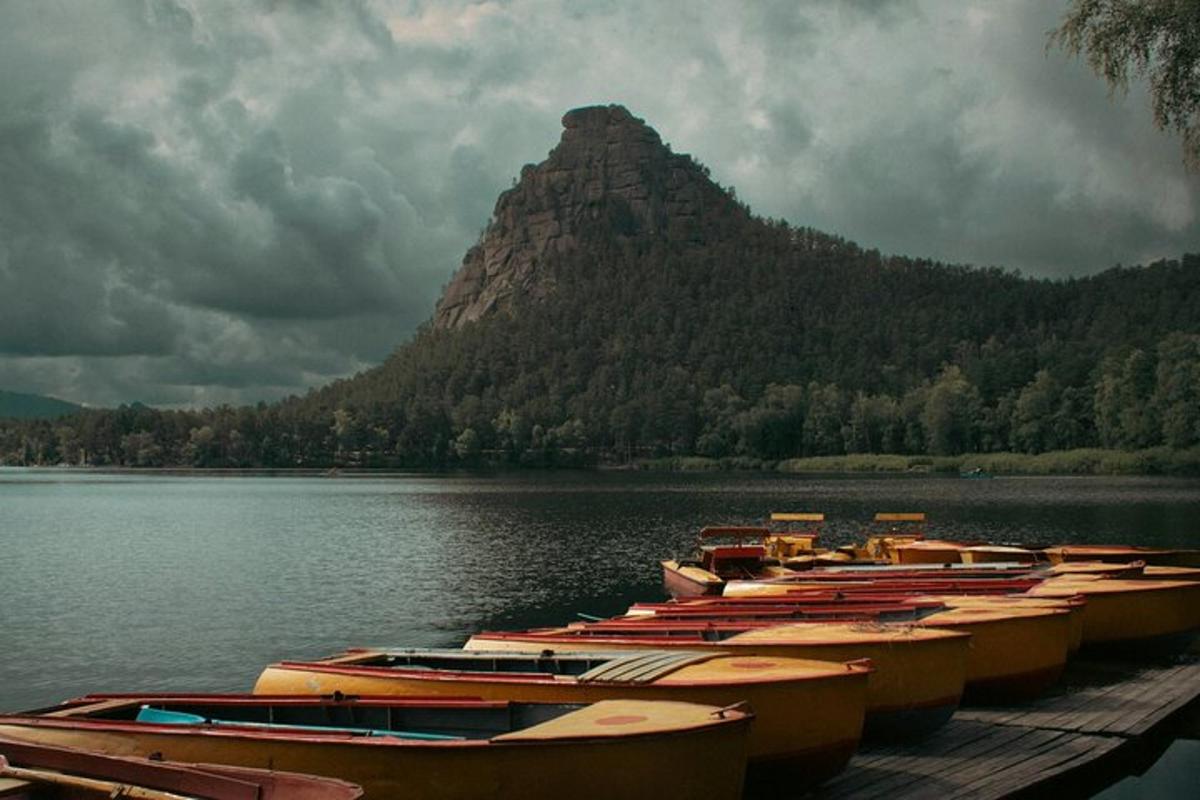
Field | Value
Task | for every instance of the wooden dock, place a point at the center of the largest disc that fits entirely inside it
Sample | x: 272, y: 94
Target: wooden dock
x: 1071, y: 743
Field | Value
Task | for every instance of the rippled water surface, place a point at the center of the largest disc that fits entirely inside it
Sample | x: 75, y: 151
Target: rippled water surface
x: 155, y: 582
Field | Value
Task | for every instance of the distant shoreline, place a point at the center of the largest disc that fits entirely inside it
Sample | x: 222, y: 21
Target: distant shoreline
x: 1087, y: 461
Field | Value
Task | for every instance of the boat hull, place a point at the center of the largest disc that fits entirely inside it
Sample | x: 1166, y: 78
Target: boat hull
x: 926, y: 553
x: 1131, y: 613
x: 1124, y: 553
x: 1073, y: 605
x: 681, y: 581
x: 808, y: 715
x: 916, y: 686
x: 1015, y: 654
x: 997, y: 555
x: 616, y: 766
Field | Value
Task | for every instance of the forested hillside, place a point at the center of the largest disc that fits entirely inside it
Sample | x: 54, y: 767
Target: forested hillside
x: 18, y: 405
x: 620, y: 304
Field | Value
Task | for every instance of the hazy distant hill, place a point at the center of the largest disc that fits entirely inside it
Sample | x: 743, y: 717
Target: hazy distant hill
x: 621, y: 303
x: 33, y: 406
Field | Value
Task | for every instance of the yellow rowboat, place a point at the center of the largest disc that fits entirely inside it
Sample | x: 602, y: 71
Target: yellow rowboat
x: 1124, y: 553
x: 1152, y: 572
x: 916, y: 686
x: 1134, y: 570
x: 808, y: 714
x: 927, y: 551
x: 828, y: 581
x: 428, y: 749
x: 1073, y: 605
x: 1131, y: 612
x: 997, y: 554
x: 1016, y: 653
x: 724, y: 552
x: 689, y: 580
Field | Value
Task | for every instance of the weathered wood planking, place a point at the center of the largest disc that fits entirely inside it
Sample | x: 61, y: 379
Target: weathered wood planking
x: 1000, y: 752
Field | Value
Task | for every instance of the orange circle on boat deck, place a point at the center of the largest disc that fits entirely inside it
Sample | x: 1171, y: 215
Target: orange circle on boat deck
x: 621, y: 719
x: 744, y: 663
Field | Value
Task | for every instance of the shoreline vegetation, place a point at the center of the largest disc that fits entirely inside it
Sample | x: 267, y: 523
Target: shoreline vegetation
x: 1081, y: 461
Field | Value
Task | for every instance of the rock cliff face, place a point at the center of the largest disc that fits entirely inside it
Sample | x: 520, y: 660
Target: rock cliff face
x: 609, y: 171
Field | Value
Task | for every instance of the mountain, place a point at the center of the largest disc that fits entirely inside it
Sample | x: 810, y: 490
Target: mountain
x: 610, y: 172
x: 16, y: 405
x: 620, y: 303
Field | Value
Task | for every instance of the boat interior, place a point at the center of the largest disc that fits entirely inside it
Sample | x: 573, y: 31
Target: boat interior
x: 681, y: 632
x: 549, y: 663
x: 428, y: 720
x: 879, y: 612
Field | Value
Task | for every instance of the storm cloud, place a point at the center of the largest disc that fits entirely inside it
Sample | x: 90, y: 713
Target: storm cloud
x: 206, y: 202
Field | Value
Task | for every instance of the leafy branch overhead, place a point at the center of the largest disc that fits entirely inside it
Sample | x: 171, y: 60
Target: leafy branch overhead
x: 1158, y: 40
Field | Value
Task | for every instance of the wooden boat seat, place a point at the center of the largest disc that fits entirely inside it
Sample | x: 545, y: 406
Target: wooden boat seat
x: 642, y: 667
x: 92, y: 709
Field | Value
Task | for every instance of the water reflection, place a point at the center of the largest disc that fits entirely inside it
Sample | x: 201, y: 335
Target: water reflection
x: 148, y: 582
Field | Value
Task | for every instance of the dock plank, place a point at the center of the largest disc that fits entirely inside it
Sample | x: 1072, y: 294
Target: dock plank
x: 992, y: 752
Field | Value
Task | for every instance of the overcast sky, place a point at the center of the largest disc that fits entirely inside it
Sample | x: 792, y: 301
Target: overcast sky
x: 206, y: 202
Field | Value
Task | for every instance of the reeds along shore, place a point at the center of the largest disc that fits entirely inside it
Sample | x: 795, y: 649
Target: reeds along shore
x: 1086, y: 461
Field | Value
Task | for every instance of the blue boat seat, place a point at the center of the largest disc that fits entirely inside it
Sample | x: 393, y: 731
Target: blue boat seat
x: 160, y: 716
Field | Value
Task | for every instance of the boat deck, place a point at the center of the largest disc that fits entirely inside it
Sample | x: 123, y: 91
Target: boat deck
x: 1072, y: 742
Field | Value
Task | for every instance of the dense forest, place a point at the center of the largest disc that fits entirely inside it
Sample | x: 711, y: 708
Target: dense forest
x: 667, y: 320
x: 809, y: 347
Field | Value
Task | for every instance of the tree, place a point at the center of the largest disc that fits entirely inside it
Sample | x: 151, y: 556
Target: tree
x: 1033, y: 415
x: 823, y: 434
x: 772, y: 427
x: 951, y: 413
x: 1177, y: 390
x: 1158, y: 40
x: 1125, y: 416
x: 466, y: 446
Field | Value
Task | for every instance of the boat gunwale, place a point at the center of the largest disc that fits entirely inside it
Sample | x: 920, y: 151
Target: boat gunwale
x: 837, y: 669
x: 1103, y: 586
x: 659, y: 641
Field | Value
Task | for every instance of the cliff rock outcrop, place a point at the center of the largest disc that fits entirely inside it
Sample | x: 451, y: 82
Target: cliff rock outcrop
x: 609, y: 169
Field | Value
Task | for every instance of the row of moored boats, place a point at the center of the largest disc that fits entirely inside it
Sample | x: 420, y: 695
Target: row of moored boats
x: 771, y: 663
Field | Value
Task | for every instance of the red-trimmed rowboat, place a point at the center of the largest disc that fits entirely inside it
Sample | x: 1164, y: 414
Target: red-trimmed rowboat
x: 423, y: 749
x: 808, y: 714
x: 916, y: 686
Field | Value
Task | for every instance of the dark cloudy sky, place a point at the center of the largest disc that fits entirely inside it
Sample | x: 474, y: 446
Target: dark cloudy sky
x: 222, y: 202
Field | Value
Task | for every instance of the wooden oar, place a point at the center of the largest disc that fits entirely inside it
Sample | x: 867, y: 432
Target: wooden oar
x: 110, y: 788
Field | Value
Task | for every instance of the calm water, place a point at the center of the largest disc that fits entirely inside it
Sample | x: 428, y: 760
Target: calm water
x: 132, y: 582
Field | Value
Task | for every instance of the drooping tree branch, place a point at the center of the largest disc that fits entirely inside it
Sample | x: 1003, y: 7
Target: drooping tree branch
x: 1158, y: 40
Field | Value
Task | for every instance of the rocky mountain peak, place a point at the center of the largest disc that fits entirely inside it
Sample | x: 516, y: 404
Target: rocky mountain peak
x: 609, y: 172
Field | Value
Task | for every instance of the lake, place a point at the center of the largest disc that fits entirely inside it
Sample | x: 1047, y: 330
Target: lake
x: 131, y: 582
